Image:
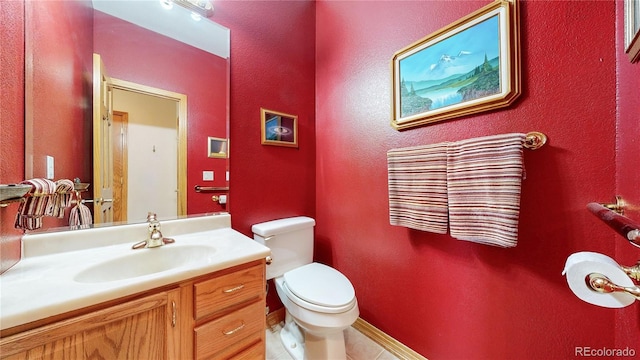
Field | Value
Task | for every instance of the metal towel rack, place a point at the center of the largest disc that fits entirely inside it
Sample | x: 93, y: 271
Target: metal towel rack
x: 611, y: 215
x: 199, y: 188
x: 624, y: 226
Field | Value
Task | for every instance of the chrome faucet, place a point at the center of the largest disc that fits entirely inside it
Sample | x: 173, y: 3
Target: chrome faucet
x: 154, y: 238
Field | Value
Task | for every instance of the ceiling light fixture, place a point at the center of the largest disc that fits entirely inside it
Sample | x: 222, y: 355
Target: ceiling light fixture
x: 201, y: 7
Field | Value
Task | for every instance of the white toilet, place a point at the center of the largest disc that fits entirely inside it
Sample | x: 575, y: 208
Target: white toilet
x: 320, y: 301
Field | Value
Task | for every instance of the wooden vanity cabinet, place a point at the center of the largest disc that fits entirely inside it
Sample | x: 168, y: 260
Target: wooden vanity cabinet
x: 140, y: 328
x: 217, y: 316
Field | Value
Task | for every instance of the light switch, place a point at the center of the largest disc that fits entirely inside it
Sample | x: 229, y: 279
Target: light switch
x: 207, y: 176
x: 50, y: 167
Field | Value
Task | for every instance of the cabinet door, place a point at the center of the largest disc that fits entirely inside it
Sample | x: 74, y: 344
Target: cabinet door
x: 134, y: 330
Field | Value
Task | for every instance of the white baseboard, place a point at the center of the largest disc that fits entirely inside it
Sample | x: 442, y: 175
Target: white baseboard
x: 392, y: 345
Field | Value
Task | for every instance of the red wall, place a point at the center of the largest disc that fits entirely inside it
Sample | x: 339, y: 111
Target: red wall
x: 59, y: 89
x: 58, y: 78
x: 11, y: 123
x: 627, y: 174
x: 272, y: 66
x: 453, y: 299
x: 170, y: 65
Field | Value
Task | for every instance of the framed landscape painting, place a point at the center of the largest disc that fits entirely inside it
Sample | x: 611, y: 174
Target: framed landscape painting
x: 470, y: 66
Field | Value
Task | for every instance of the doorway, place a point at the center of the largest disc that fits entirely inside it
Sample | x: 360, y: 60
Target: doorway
x: 158, y: 130
x: 150, y: 142
x: 152, y: 145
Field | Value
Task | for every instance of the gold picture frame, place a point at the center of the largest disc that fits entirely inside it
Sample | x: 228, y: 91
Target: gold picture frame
x: 217, y: 147
x: 632, y: 29
x: 278, y: 128
x: 469, y: 66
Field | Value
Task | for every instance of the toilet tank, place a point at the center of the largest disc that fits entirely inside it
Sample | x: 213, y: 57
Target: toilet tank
x: 290, y: 241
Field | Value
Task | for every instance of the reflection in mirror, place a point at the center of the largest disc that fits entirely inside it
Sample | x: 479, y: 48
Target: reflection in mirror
x: 217, y: 147
x: 58, y: 92
x: 147, y: 131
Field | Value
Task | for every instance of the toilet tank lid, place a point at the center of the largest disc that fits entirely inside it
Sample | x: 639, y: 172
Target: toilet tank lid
x: 282, y: 226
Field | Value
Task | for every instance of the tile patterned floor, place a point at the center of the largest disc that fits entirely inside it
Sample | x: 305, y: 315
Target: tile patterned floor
x: 359, y: 347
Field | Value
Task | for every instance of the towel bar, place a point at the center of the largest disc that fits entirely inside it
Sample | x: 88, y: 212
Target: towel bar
x: 199, y: 188
x: 534, y: 140
x: 624, y: 226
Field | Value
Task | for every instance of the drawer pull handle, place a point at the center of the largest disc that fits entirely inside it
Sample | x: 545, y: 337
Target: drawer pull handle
x: 239, y: 287
x: 174, y: 314
x: 234, y: 330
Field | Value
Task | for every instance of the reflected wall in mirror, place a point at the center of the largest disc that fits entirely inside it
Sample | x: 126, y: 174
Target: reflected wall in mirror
x: 58, y: 95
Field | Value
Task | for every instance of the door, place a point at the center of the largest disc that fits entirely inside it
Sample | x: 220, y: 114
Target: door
x: 156, y: 149
x: 102, y: 144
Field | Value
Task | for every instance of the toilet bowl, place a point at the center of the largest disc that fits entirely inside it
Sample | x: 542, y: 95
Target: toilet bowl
x: 319, y: 301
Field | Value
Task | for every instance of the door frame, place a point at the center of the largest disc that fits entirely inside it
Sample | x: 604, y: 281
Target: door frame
x: 102, y: 148
x: 181, y: 99
x: 120, y: 165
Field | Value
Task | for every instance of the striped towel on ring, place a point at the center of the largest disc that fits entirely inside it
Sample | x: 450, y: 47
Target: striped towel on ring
x: 418, y: 187
x: 484, y: 177
x: 80, y: 216
x: 36, y: 204
x: 61, y: 197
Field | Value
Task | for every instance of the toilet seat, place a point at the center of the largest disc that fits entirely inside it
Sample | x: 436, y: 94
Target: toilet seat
x: 320, y: 288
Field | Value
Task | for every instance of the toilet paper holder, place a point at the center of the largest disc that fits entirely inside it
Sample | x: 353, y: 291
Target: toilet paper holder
x: 602, y: 284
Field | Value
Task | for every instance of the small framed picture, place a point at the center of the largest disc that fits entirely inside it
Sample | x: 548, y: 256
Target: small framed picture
x: 217, y: 147
x: 278, y: 128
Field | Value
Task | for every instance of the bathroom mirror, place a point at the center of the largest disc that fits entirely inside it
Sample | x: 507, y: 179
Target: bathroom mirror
x: 164, y: 50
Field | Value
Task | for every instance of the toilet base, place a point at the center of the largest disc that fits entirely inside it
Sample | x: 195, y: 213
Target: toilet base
x: 303, y: 345
x: 293, y: 340
x: 330, y: 346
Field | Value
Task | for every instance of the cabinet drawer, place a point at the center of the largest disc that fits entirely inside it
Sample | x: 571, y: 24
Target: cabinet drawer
x: 217, y: 294
x: 256, y: 351
x: 242, y: 327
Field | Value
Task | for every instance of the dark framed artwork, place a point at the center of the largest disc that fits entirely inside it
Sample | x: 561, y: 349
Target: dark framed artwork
x: 278, y: 128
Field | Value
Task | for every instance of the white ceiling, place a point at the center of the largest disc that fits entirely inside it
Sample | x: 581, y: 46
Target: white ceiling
x: 175, y: 23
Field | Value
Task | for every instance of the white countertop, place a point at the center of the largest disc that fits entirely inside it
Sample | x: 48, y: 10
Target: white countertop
x: 43, y: 285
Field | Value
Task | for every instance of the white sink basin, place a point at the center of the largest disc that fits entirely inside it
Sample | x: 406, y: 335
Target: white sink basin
x: 141, y: 262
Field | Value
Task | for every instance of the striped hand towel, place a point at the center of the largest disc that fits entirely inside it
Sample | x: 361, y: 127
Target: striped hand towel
x: 80, y: 216
x: 418, y: 187
x: 61, y: 198
x: 484, y: 177
x: 35, y: 205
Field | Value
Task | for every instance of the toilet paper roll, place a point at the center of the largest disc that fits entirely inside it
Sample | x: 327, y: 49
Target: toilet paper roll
x: 581, y: 264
